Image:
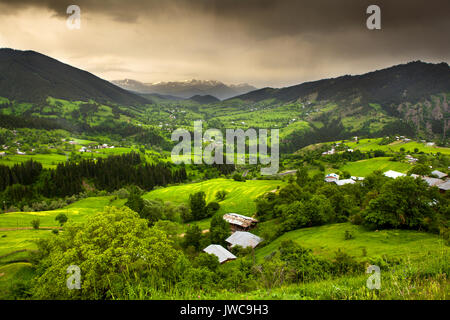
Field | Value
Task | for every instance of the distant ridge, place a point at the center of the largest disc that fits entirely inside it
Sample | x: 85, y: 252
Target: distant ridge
x: 204, y: 99
x: 406, y: 82
x: 32, y: 77
x: 186, y: 89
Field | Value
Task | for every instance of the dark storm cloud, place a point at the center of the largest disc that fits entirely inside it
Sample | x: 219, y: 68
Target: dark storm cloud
x: 273, y: 42
x: 277, y: 16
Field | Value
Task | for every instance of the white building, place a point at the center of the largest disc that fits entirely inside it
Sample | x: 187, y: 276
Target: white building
x: 344, y: 181
x: 439, y: 174
x: 243, y: 239
x: 394, y: 174
x: 220, y: 252
x: 331, y: 177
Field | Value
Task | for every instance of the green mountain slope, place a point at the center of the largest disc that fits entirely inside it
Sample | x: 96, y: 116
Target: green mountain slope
x: 28, y: 76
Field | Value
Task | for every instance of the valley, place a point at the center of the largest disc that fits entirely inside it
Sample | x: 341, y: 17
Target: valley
x: 87, y: 178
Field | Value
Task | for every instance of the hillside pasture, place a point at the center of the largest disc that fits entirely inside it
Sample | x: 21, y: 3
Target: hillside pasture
x: 363, y: 168
x: 326, y: 240
x: 240, y: 198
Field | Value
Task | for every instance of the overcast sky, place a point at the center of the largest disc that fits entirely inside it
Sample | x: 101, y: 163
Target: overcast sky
x: 261, y: 42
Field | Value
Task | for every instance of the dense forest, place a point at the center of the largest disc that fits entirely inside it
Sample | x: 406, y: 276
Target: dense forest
x: 29, y: 182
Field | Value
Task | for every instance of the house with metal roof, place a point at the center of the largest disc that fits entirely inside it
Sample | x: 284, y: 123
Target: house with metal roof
x: 432, y: 181
x: 243, y: 239
x: 220, y: 252
x: 344, y: 181
x: 444, y: 187
x: 238, y: 222
x: 439, y: 174
x: 394, y: 174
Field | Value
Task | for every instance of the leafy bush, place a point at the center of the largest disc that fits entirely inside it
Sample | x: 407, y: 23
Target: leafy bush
x: 61, y: 218
x: 35, y: 223
x: 221, y: 195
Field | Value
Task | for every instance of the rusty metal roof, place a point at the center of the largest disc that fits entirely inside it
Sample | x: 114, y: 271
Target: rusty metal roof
x: 239, y: 219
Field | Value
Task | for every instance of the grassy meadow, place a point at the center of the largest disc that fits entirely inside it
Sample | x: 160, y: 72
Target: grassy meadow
x: 239, y: 199
x: 363, y: 168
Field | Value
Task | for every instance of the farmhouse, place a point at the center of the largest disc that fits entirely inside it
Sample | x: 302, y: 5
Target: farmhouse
x: 394, y: 174
x: 331, y: 177
x: 439, y: 174
x: 239, y: 222
x: 433, y: 181
x: 444, y: 187
x: 243, y: 239
x: 344, y: 181
x: 220, y: 252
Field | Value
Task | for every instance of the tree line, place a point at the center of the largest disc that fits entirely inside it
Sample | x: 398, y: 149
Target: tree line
x: 28, y: 182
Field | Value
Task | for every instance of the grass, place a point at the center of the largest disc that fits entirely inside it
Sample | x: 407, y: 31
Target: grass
x: 239, y: 199
x: 76, y: 211
x: 326, y: 240
x: 372, y: 144
x: 47, y: 160
x: 13, y: 241
x: 363, y: 168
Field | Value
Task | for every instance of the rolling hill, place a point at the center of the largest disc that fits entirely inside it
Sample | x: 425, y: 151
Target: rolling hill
x: 28, y: 76
x: 402, y: 83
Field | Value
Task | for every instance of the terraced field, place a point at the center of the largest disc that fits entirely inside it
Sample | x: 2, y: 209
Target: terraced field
x: 239, y: 199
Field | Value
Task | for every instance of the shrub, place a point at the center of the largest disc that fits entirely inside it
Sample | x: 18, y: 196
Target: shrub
x: 61, y: 218
x: 123, y: 193
x: 35, y: 223
x: 221, y: 195
x: 238, y: 177
x: 212, y: 208
x: 348, y: 235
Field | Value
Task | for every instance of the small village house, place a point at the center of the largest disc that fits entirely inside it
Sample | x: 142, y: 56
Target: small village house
x: 243, y: 239
x: 220, y: 252
x: 239, y: 222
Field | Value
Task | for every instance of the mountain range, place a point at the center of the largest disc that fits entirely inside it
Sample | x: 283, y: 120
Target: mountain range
x: 28, y: 76
x: 187, y: 89
x: 411, y: 98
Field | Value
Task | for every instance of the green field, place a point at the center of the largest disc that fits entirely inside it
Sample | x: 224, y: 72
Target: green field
x: 239, y: 199
x: 76, y: 211
x: 326, y: 240
x: 372, y: 144
x: 363, y: 168
x: 47, y: 160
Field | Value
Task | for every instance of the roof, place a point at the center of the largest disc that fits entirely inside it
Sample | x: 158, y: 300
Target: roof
x: 220, y: 252
x: 239, y: 219
x: 344, y: 181
x: 332, y: 175
x: 439, y: 174
x: 394, y: 174
x: 243, y: 239
x: 445, y: 186
x: 432, y: 181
